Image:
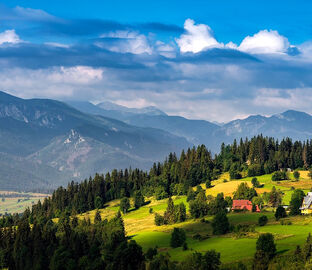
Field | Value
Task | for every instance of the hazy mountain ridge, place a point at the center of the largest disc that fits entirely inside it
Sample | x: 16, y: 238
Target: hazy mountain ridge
x: 294, y: 124
x: 59, y: 144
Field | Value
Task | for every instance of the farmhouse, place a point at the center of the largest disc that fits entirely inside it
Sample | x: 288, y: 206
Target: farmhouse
x: 240, y: 205
x: 306, y: 207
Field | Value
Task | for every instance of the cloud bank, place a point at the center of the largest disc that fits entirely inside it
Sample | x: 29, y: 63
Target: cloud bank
x: 187, y: 72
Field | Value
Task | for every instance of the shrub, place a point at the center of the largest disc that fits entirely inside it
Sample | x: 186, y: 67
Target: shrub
x: 159, y: 220
x: 178, y: 238
x: 263, y: 220
x: 296, y: 175
x: 150, y: 210
x: 255, y: 182
x: 185, y: 247
x: 280, y: 212
x: 279, y: 175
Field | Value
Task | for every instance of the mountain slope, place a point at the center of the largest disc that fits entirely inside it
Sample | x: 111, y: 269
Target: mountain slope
x: 195, y: 131
x: 52, y: 137
x: 294, y: 124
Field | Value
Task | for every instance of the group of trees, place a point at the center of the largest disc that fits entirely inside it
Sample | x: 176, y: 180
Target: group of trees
x: 173, y: 214
x: 69, y: 244
x: 177, y: 174
x: 266, y: 257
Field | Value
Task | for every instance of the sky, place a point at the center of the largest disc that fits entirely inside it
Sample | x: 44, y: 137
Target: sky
x: 212, y: 60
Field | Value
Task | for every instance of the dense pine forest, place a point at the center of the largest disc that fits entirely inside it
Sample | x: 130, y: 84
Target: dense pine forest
x: 103, y: 244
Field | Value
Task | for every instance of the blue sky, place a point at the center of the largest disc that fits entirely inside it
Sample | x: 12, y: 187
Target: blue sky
x: 192, y: 59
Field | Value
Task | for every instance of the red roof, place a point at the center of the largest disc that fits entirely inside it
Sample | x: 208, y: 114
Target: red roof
x: 243, y: 205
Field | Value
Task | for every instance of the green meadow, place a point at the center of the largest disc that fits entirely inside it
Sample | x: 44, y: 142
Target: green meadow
x: 139, y: 224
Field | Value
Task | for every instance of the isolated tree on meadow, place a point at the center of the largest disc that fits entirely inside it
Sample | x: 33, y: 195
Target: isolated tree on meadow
x: 280, y: 212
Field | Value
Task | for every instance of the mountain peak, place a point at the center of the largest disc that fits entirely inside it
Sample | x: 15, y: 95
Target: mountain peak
x: 150, y: 110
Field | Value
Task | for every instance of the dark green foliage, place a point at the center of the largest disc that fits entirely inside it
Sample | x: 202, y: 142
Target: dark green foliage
x: 191, y: 195
x: 265, y: 243
x: 178, y: 237
x: 97, y: 217
x: 279, y: 176
x: 124, y: 205
x: 138, y: 199
x: 296, y: 202
x: 255, y: 183
x: 160, y: 193
x: 208, y: 184
x: 98, y: 202
x: 275, y: 197
x: 180, y: 212
x: 67, y: 246
x: 280, y: 212
x: 263, y: 220
x: 220, y: 223
x: 151, y: 253
x: 244, y: 192
x: 159, y: 220
x: 296, y: 175
x: 261, y: 260
x: 255, y: 170
x: 209, y: 261
x: 169, y: 215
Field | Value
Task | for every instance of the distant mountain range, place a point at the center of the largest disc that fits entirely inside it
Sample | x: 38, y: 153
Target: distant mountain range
x: 46, y: 143
x: 294, y: 124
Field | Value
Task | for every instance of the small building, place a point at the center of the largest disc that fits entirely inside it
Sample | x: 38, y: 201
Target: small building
x: 243, y: 205
x: 306, y: 207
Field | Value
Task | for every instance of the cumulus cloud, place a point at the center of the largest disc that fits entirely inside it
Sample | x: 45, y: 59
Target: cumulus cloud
x: 265, y: 42
x: 125, y: 42
x: 197, y: 38
x: 9, y: 36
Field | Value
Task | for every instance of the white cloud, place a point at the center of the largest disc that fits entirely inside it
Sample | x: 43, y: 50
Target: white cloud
x: 197, y: 38
x: 126, y: 42
x: 9, y: 36
x: 265, y: 42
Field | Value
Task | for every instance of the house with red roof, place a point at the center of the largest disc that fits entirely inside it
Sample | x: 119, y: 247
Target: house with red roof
x: 241, y: 205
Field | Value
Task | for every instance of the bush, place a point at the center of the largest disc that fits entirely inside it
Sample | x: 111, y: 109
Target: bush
x: 263, y: 220
x: 178, y: 238
x: 296, y: 175
x: 279, y: 175
x: 280, y: 212
x: 255, y: 182
x: 185, y: 247
x: 159, y: 220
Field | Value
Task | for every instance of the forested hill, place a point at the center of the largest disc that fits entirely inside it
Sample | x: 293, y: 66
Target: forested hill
x: 57, y: 239
x: 260, y: 155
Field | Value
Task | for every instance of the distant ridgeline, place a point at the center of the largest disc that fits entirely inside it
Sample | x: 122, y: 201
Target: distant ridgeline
x: 260, y: 155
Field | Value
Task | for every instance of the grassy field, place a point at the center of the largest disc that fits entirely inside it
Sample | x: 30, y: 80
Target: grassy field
x: 139, y: 224
x: 16, y: 202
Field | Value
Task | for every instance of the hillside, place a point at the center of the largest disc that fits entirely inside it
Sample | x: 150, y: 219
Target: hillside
x: 46, y: 143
